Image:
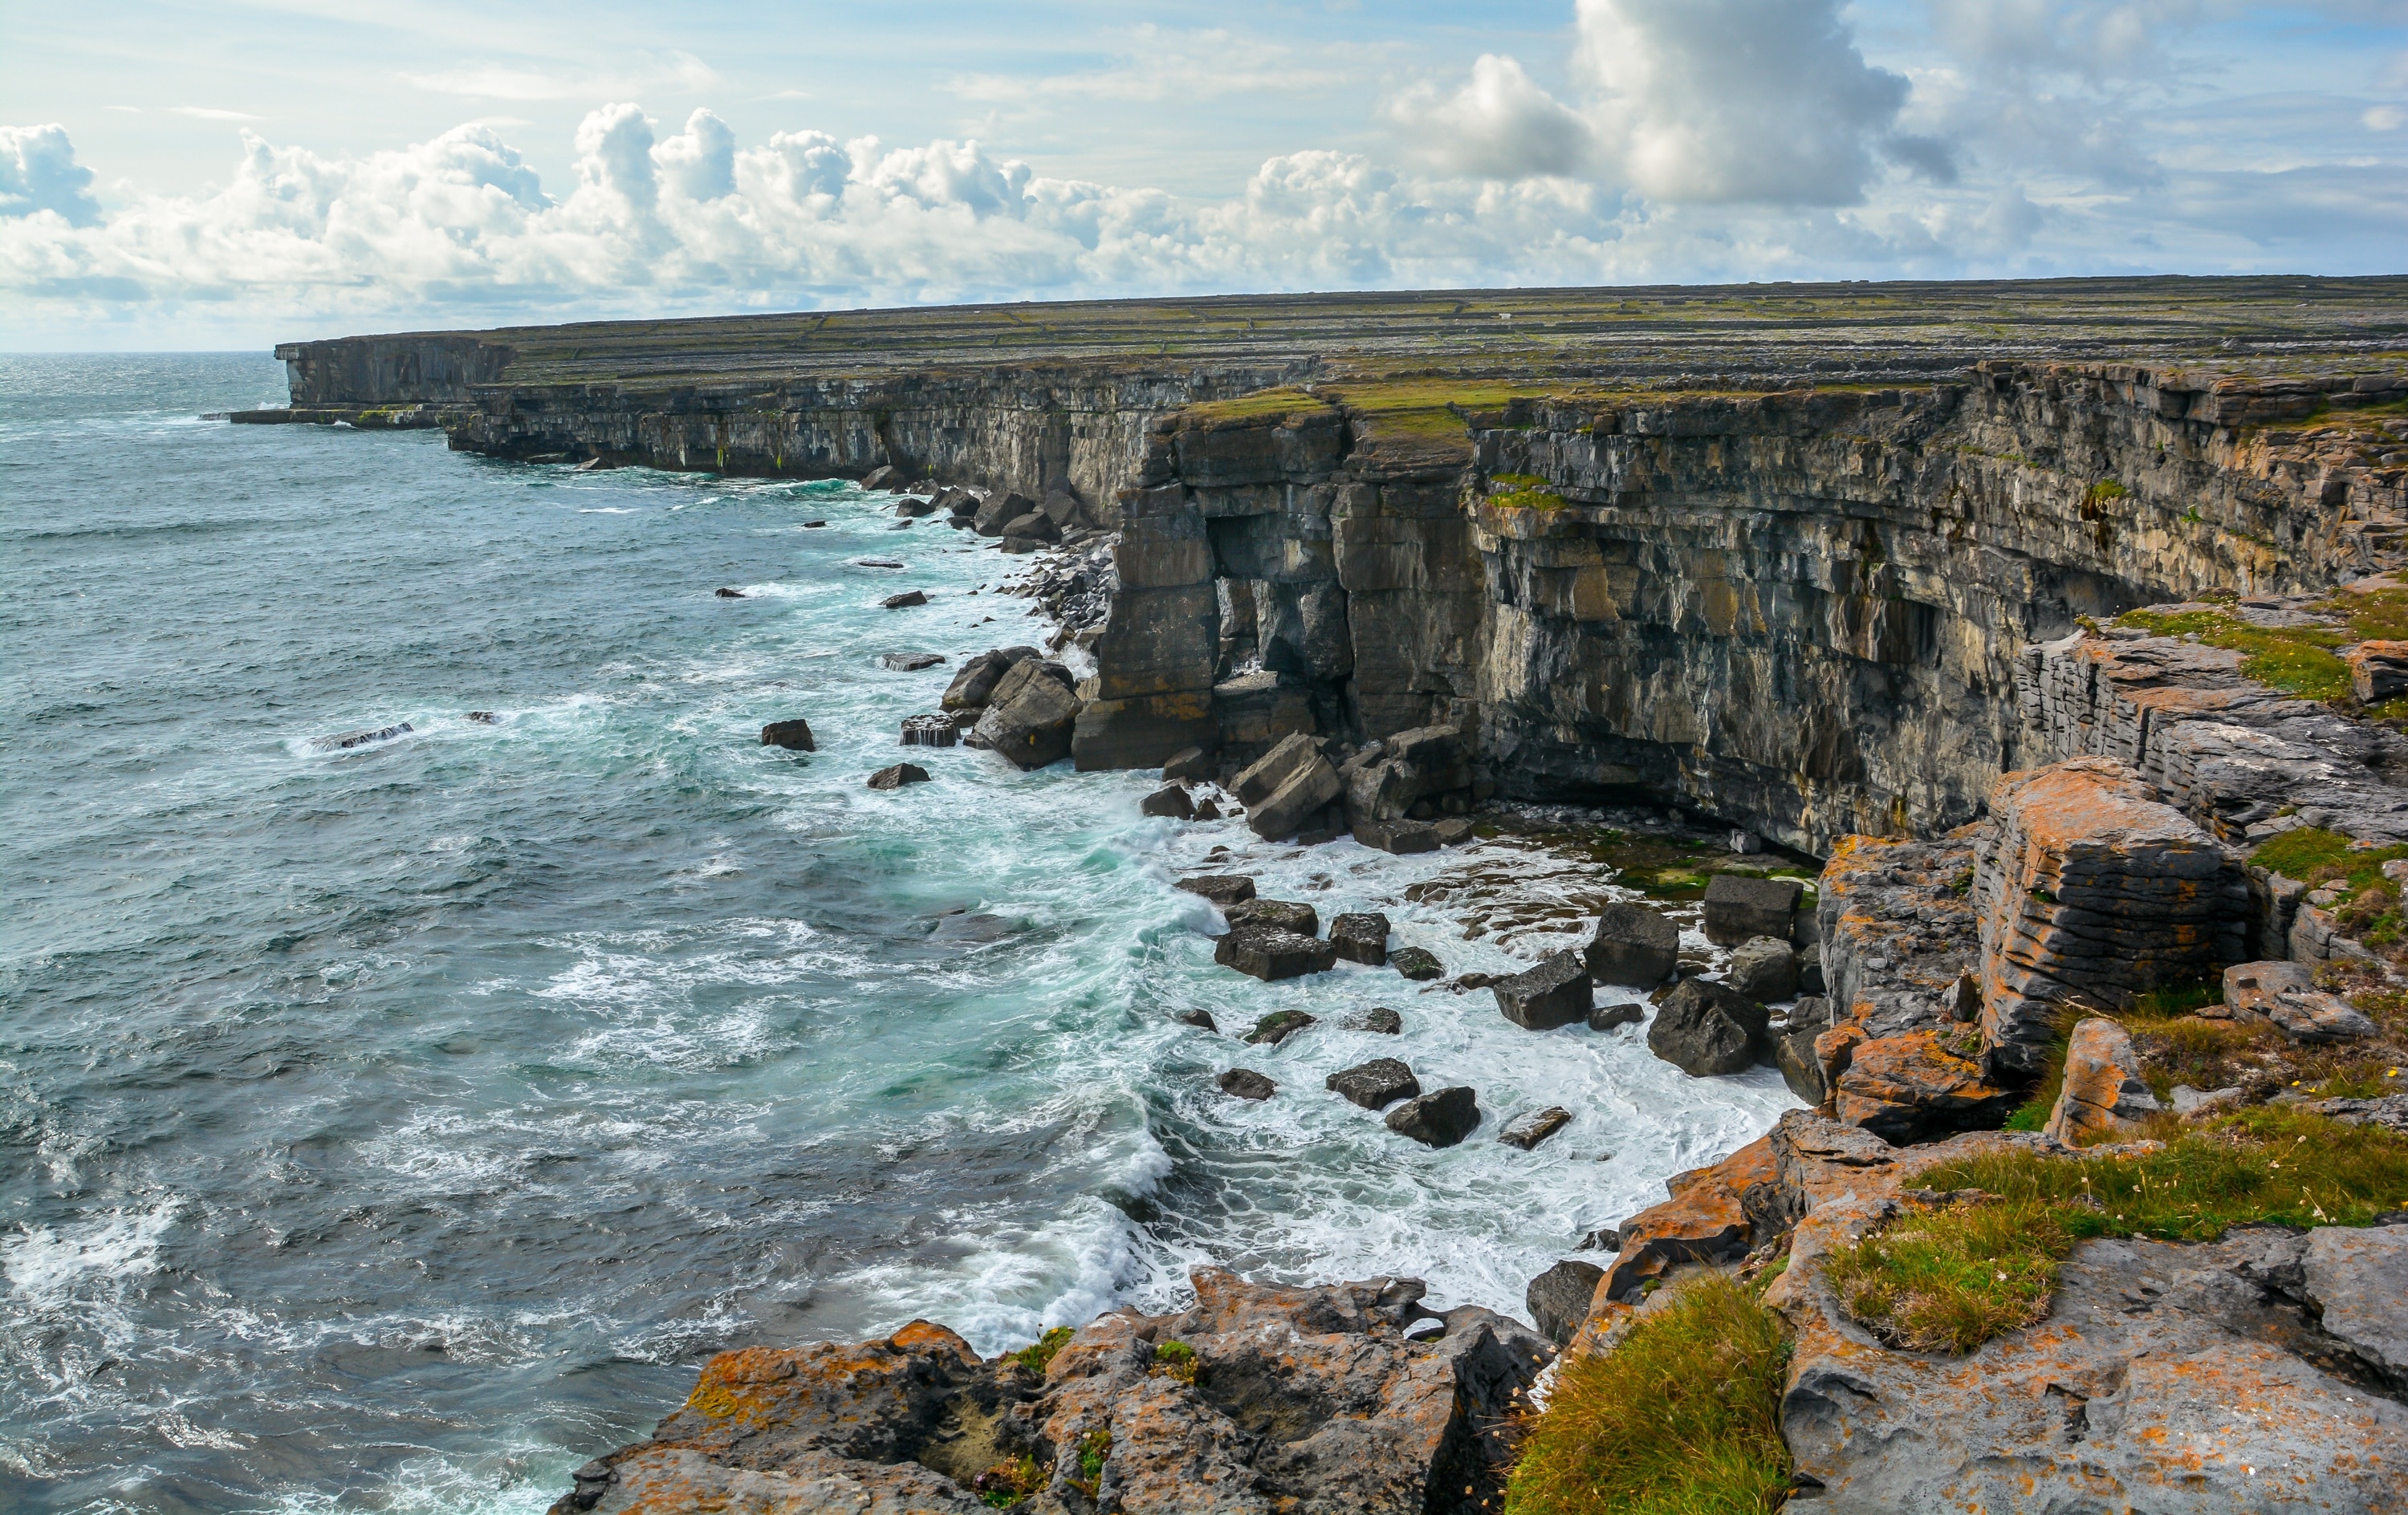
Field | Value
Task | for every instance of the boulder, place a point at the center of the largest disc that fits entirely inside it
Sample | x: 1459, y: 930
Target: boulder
x: 2378, y: 671
x: 1765, y: 969
x: 885, y: 476
x: 1417, y: 963
x: 1247, y: 1084
x: 2286, y: 993
x: 794, y: 735
x: 1031, y: 718
x: 898, y: 775
x: 930, y: 731
x: 1411, y: 766
x: 1036, y: 526
x: 1208, y: 810
x: 1202, y: 1020
x: 1222, y: 889
x: 1453, y: 832
x: 1310, y: 786
x: 1912, y: 1087
x: 1634, y: 946
x: 1269, y: 953
x: 1171, y: 801
x: 1377, y: 1084
x: 1810, y: 969
x: 1258, y: 780
x: 1711, y: 1215
x: 1288, y: 915
x: 1380, y: 1021
x: 1793, y: 1053
x: 1531, y: 1127
x: 998, y: 508
x: 726, y: 593
x: 1361, y: 937
x: 1400, y: 837
x: 1276, y: 1027
x: 905, y: 601
x: 916, y: 506
x: 1555, y: 993
x: 1620, y: 1013
x: 974, y: 686
x: 1558, y: 1298
x: 350, y: 740
x: 2105, y: 1096
x: 909, y: 661
x: 1438, y: 1119
x: 1705, y: 1030
x: 1741, y: 906
x: 1189, y: 765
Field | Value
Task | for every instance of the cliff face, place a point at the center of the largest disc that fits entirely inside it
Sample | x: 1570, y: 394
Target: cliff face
x: 1806, y: 612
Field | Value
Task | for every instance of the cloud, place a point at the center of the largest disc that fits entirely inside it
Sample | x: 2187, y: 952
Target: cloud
x: 210, y: 113
x: 1500, y: 124
x: 533, y: 81
x: 1159, y: 63
x: 39, y: 175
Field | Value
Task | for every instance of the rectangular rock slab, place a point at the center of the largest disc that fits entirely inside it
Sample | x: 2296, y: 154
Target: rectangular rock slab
x: 2285, y: 992
x: 1739, y: 905
x: 1270, y: 953
x: 1285, y: 812
x: 1555, y: 993
x: 1532, y: 1127
x: 1258, y: 780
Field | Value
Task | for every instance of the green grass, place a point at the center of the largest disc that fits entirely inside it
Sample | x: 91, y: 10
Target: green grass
x: 1038, y: 1356
x: 2297, y: 659
x: 1682, y: 1418
x: 1262, y: 405
x: 1175, y: 1360
x: 1528, y: 499
x: 1951, y: 1278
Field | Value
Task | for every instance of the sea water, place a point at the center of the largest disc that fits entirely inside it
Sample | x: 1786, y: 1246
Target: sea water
x: 397, y: 1127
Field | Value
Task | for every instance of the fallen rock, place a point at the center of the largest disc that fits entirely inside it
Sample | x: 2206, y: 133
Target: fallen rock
x: 1375, y: 1085
x: 930, y: 731
x: 1247, y: 1084
x: 1810, y: 969
x: 1270, y: 953
x: 1379, y: 1020
x: 916, y: 506
x: 1633, y: 946
x: 1555, y: 993
x: 1558, y: 1298
x: 975, y: 684
x: 1361, y: 937
x: 1622, y: 1013
x: 1222, y: 889
x: 1400, y: 837
x: 813, y: 525
x: 2286, y: 993
x: 1288, y: 915
x: 1189, y: 765
x: 2105, y: 1096
x: 1031, y: 718
x: 904, y: 601
x: 1202, y: 1020
x: 1290, y: 756
x: 1793, y: 1053
x: 1288, y: 809
x: 1453, y: 830
x: 1706, y: 1030
x: 726, y: 593
x: 1208, y: 810
x: 1741, y: 906
x: 1276, y: 1027
x: 1911, y: 1088
x: 885, y: 476
x: 794, y: 735
x: 909, y: 661
x: 997, y: 508
x: 485, y: 718
x: 897, y: 776
x: 1765, y: 969
x: 1036, y: 526
x: 2378, y: 671
x: 1438, y: 1119
x: 1171, y: 801
x: 385, y: 734
x: 1711, y: 1215
x: 1417, y: 963
x: 1532, y: 1127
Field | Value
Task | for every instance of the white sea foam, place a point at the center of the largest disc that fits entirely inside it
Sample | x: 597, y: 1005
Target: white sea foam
x: 46, y: 1266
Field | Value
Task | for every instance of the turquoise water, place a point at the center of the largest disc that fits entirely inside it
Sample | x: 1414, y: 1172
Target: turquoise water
x: 396, y: 1128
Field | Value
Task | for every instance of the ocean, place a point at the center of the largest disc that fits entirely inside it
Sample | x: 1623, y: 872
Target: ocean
x: 397, y: 1127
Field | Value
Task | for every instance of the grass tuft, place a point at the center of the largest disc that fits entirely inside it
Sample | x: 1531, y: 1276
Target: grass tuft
x: 1038, y: 1356
x: 2297, y: 659
x: 1682, y: 1418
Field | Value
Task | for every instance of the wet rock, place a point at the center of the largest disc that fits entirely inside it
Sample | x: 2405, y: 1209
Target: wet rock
x: 1030, y: 719
x: 1202, y: 1020
x: 1260, y: 779
x: 930, y: 731
x: 813, y: 525
x: 1381, y: 1022
x: 1288, y: 915
x: 1222, y: 889
x: 2105, y: 1096
x: 1400, y: 837
x: 1276, y: 1027
x: 1555, y: 993
x: 485, y: 718
x: 1532, y: 1127
x: 1793, y: 1053
x: 362, y: 738
x: 1633, y: 945
x: 1622, y: 1013
x: 1270, y: 953
x: 974, y: 685
x: 2286, y: 993
x: 885, y: 476
x: 1189, y: 765
x: 1301, y: 782
x: 916, y: 506
x: 1765, y: 969
x: 997, y: 510
x: 1739, y: 905
x: 1247, y: 1084
x: 794, y: 735
x: 1911, y: 1088
x: 1208, y: 810
x: 1810, y: 969
x: 1453, y: 830
x: 1417, y: 963
x: 909, y: 661
x: 1438, y: 1119
x: 904, y: 601
x: 726, y: 593
x: 1171, y: 801
x: 1036, y: 526
x: 1558, y: 1298
x: 876, y: 563
x: 1411, y: 767
x: 1361, y: 937
x: 1705, y: 1030
x: 1377, y: 1084
x: 898, y: 775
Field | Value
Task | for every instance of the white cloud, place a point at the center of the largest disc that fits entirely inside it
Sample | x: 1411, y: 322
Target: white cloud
x: 1500, y: 124
x: 1158, y: 64
x: 533, y: 81
x: 210, y: 113
x: 40, y: 176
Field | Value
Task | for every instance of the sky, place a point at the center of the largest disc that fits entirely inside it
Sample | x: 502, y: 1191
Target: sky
x: 230, y: 174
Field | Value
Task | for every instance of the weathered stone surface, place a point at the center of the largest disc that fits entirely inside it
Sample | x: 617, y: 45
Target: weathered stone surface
x: 974, y: 685
x: 1620, y: 1013
x: 1188, y: 765
x: 909, y: 661
x: 2378, y: 670
x: 1137, y: 732
x: 1257, y: 780
x: 2089, y: 892
x: 1554, y: 993
x: 1707, y: 1218
x: 1899, y: 941
x: 1254, y: 712
x: 1558, y: 1298
x: 1705, y: 1030
x: 2391, y: 1111
x: 1030, y: 719
x: 2106, y: 1095
x: 1171, y: 801
x: 930, y: 731
x: 1911, y: 1088
x: 1285, y: 810
x: 1400, y: 837
x: 2358, y: 1280
x: 1417, y: 963
x: 1245, y: 1083
x: 898, y: 775
x: 1793, y: 1053
x: 1361, y: 937
x: 2286, y: 993
x: 1377, y: 1084
x: 1531, y: 1127
x: 1288, y: 915
x: 905, y: 601
x: 794, y: 735
x: 1035, y: 526
x: 997, y: 508
x: 1633, y: 945
x: 1380, y: 1020
x: 1765, y: 969
x: 1269, y: 953
x: 1409, y: 767
x: 1222, y: 889
x: 1739, y: 905
x: 1440, y: 1119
